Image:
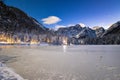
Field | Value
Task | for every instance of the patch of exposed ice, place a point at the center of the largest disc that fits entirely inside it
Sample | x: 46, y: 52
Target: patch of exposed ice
x: 107, y: 78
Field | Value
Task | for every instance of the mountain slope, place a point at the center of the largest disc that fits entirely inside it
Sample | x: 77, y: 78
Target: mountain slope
x: 77, y: 34
x: 99, y: 31
x: 112, y: 34
x: 17, y: 27
x: 13, y: 20
x: 86, y: 32
x: 69, y: 31
x: 113, y: 30
x: 97, y: 35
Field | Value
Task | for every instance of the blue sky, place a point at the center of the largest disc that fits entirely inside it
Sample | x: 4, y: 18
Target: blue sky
x: 53, y: 13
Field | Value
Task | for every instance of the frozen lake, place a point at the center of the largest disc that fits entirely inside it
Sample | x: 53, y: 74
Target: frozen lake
x: 85, y: 62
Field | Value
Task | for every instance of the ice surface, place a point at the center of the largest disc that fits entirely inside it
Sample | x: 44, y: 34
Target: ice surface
x: 85, y: 62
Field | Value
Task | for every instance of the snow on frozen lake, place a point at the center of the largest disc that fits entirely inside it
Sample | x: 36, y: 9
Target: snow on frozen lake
x: 8, y: 74
x: 85, y: 62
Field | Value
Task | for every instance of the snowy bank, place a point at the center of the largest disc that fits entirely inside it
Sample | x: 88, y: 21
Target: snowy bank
x: 7, y: 73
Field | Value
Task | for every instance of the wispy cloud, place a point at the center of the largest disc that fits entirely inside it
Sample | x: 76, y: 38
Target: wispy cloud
x: 51, y: 20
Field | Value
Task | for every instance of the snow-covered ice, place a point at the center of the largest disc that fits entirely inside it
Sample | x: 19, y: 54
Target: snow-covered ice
x: 8, y: 74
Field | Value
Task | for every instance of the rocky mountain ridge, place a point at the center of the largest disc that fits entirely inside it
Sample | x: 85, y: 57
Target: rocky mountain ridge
x: 95, y: 35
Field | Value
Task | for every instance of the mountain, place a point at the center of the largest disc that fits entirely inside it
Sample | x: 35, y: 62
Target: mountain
x: 77, y: 31
x: 112, y: 34
x: 69, y: 31
x: 76, y: 34
x: 83, y: 36
x: 16, y: 26
x: 97, y: 35
x: 86, y: 32
x: 113, y: 30
x: 109, y: 36
x: 99, y: 31
x: 13, y: 20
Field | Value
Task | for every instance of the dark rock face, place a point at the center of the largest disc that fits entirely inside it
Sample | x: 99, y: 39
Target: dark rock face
x: 77, y: 34
x: 112, y: 34
x: 69, y: 31
x: 84, y: 36
x: 99, y: 31
x: 113, y: 30
x: 77, y: 31
x: 86, y: 33
x: 17, y: 27
x: 13, y: 20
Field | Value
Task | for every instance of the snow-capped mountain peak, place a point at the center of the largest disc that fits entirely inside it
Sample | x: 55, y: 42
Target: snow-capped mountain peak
x: 82, y: 25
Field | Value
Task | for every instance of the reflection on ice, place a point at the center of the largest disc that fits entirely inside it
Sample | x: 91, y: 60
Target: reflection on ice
x: 64, y: 48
